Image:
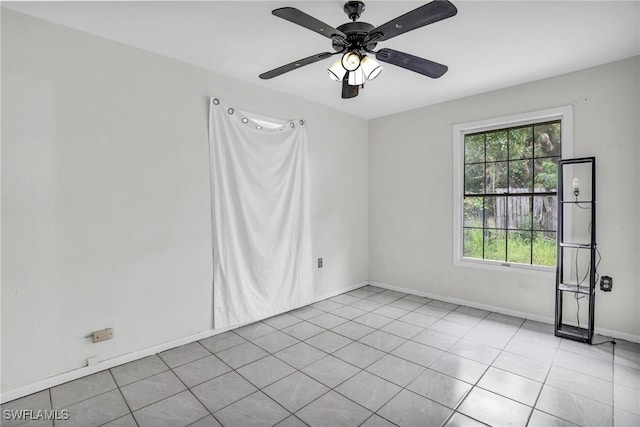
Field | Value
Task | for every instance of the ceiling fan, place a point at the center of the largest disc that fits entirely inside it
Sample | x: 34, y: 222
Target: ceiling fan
x: 355, y: 39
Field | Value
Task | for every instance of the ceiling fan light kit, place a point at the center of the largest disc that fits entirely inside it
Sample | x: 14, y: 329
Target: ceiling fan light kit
x: 354, y: 40
x: 360, y: 68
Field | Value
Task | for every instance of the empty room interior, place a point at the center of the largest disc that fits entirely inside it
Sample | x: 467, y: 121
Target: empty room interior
x: 320, y: 213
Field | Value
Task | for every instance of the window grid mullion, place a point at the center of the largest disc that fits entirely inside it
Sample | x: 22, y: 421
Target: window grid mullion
x: 532, y: 198
x: 484, y: 198
x: 506, y: 209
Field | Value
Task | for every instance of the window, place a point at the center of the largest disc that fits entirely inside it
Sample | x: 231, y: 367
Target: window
x: 507, y: 173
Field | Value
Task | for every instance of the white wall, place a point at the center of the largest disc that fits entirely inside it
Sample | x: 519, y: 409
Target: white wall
x: 410, y: 194
x: 105, y: 196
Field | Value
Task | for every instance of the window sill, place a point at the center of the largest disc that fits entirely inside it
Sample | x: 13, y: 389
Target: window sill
x: 505, y: 267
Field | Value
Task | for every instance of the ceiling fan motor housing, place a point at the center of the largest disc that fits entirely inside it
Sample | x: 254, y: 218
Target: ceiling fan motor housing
x: 356, y: 34
x: 354, y: 9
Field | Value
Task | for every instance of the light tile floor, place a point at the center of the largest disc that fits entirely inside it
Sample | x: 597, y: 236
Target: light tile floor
x: 369, y: 357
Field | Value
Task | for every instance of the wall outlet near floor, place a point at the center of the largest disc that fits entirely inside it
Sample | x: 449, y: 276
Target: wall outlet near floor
x: 606, y: 283
x: 102, y: 335
x: 319, y: 262
x: 93, y: 360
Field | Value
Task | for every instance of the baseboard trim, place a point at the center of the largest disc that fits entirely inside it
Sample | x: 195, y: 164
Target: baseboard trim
x: 130, y: 357
x: 525, y: 315
x: 338, y: 292
x: 618, y: 335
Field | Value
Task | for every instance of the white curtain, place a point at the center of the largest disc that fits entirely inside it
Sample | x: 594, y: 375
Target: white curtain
x: 260, y: 208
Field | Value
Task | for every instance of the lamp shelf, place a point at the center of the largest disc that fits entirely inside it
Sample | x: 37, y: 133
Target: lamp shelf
x: 577, y: 245
x: 567, y: 287
x: 577, y: 202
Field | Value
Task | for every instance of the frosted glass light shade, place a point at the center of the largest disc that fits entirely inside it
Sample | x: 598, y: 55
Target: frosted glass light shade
x: 337, y: 71
x: 351, y: 61
x: 356, y: 78
x: 370, y: 67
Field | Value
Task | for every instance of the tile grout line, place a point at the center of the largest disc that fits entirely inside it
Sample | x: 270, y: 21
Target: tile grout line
x: 169, y: 369
x: 189, y: 388
x: 613, y: 381
x: 513, y: 373
x: 125, y: 401
x: 50, y: 403
x: 235, y: 370
x: 195, y: 397
x: 88, y: 398
x: 535, y: 402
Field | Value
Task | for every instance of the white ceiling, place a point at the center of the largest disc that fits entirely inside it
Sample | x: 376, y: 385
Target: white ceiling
x: 488, y: 45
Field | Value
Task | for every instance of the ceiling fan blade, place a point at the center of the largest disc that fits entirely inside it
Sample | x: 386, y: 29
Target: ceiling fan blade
x: 295, y: 65
x: 424, y: 15
x: 348, y: 91
x: 296, y: 16
x: 413, y: 63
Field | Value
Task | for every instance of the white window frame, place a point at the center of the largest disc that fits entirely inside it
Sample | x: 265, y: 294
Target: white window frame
x: 564, y: 113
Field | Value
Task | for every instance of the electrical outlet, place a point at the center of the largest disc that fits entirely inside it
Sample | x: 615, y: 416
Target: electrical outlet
x: 102, y: 335
x: 606, y: 283
x: 319, y: 262
x: 93, y: 360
